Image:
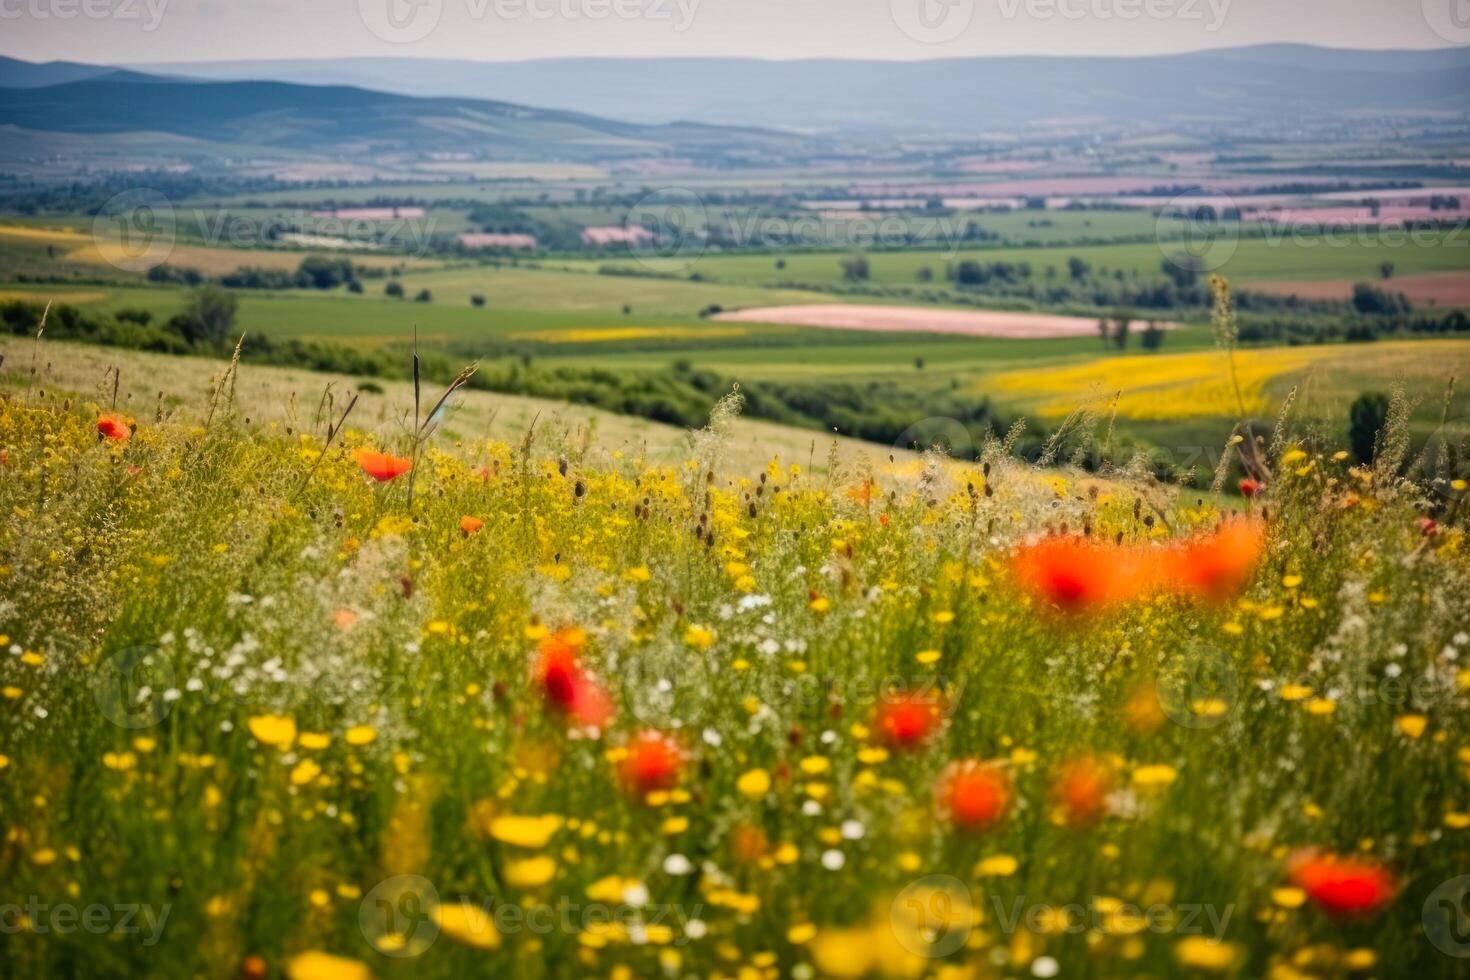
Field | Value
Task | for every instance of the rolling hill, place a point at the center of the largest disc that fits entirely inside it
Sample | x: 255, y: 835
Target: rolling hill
x: 350, y: 121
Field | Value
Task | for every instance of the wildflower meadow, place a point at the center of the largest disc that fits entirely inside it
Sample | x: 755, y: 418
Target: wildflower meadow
x: 327, y: 705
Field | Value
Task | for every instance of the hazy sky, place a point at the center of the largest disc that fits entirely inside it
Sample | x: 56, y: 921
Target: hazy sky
x: 188, y: 30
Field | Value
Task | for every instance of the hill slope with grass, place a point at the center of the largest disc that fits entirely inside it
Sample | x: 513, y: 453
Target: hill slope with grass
x: 314, y: 711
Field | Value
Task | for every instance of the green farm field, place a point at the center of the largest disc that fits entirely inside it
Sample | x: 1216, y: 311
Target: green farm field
x: 1253, y: 259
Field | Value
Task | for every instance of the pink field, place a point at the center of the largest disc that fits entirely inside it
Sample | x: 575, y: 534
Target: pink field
x: 370, y: 214
x: 1072, y: 186
x: 615, y: 235
x: 919, y: 319
x: 1444, y: 289
x: 486, y: 239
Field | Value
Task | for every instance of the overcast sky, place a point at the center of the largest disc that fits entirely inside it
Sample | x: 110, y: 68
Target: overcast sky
x: 113, y: 31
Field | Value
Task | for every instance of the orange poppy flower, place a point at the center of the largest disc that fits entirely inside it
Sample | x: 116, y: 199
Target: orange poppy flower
x: 566, y: 685
x: 748, y: 843
x: 382, y: 466
x: 1219, y: 563
x: 974, y: 795
x: 1076, y: 574
x: 905, y: 720
x: 653, y: 762
x: 470, y: 525
x: 114, y: 427
x: 1081, y: 788
x: 1344, y: 887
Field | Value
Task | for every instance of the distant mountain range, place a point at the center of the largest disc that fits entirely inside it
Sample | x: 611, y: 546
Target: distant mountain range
x: 966, y: 94
x: 744, y: 111
x: 349, y: 121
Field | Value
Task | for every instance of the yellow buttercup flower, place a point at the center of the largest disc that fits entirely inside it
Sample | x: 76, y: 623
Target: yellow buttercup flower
x: 754, y: 784
x: 530, y: 872
x: 467, y: 924
x: 527, y: 832
x: 1204, y: 953
x: 1411, y: 726
x: 304, y: 772
x: 277, y: 731
x: 316, y: 965
x: 997, y: 866
x: 1153, y: 777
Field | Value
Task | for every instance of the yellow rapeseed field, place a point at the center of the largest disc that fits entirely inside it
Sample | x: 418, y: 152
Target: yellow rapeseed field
x: 1160, y: 386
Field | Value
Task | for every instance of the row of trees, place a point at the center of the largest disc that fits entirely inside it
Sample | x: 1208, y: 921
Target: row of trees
x: 1116, y: 330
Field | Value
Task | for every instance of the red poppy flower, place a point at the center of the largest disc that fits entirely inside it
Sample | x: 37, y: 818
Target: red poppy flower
x: 566, y: 685
x: 470, y: 525
x: 974, y: 795
x: 114, y: 427
x: 1075, y: 573
x: 653, y: 762
x: 1428, y: 526
x: 1249, y: 487
x: 906, y: 720
x: 382, y: 466
x: 1081, y: 788
x: 1344, y: 887
x: 1219, y: 563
